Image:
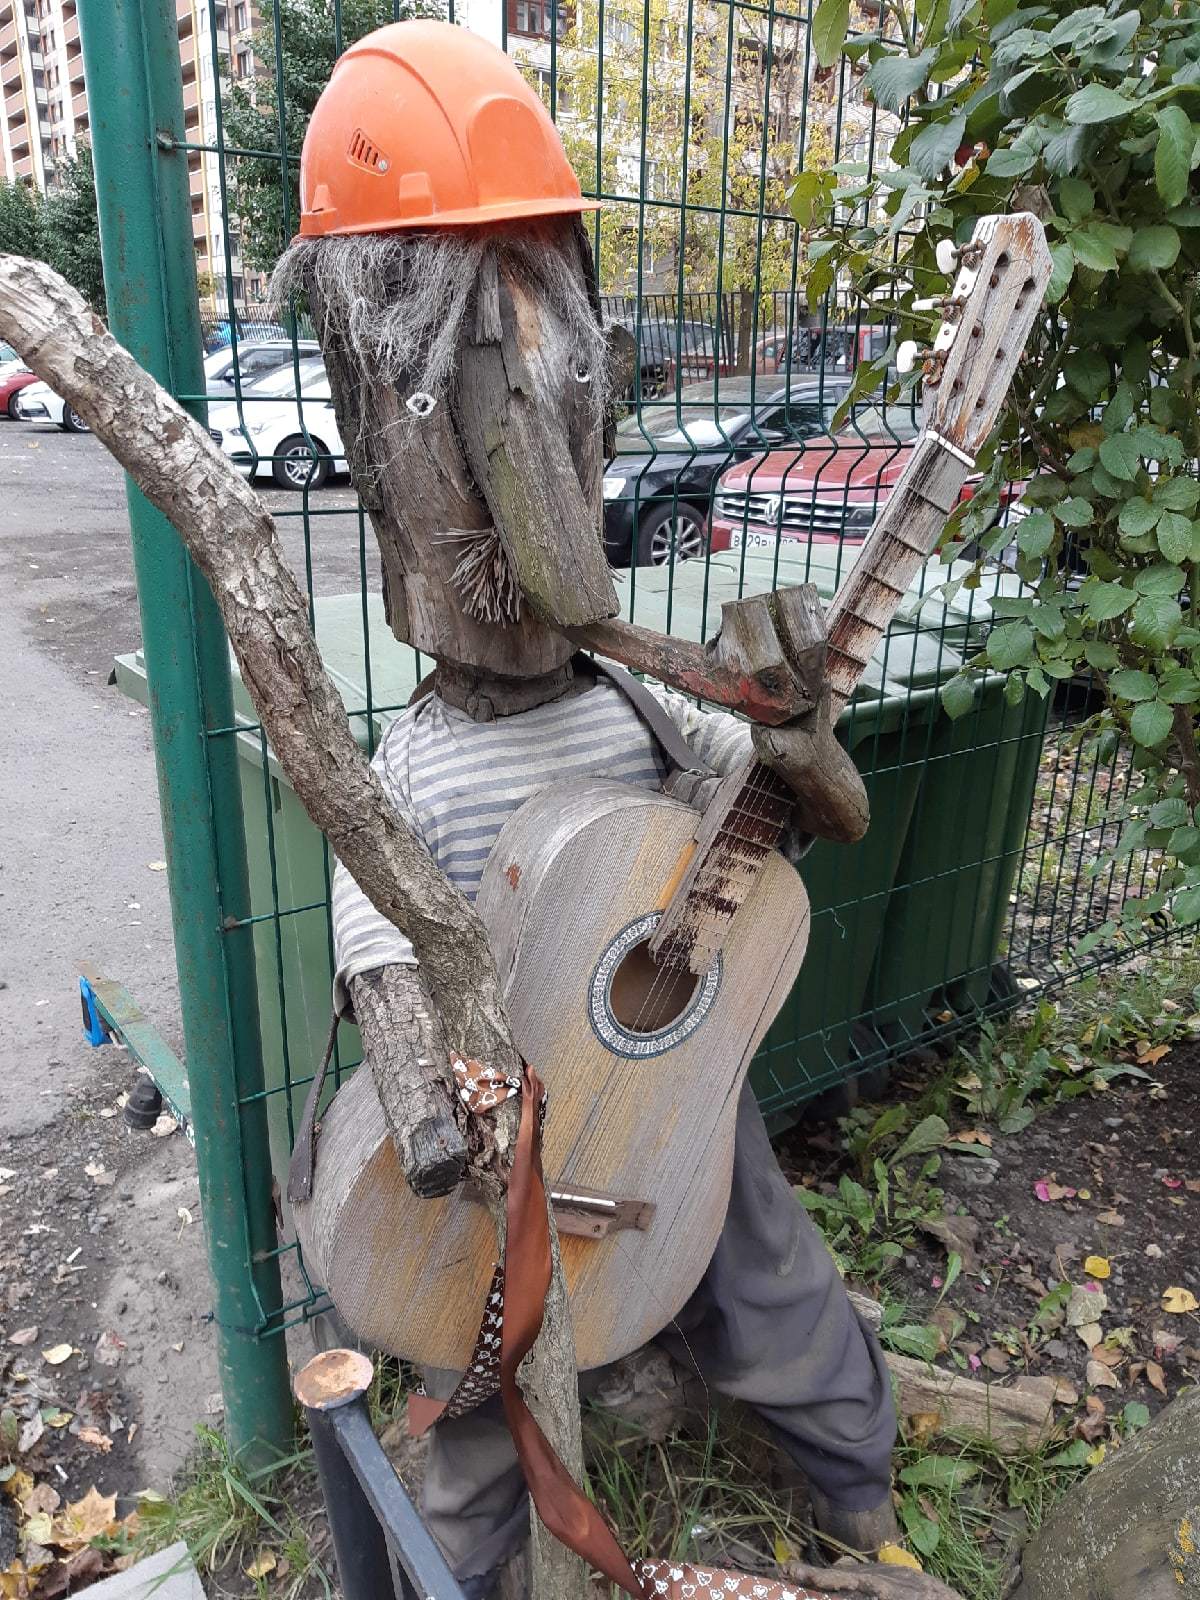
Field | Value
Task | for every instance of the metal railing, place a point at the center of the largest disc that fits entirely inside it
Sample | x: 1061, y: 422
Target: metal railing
x: 995, y: 851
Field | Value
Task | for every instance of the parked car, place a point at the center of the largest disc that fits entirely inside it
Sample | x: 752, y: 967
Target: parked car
x: 825, y: 493
x: 266, y: 434
x: 37, y: 402
x: 255, y: 359
x: 812, y: 349
x: 247, y: 328
x: 14, y: 377
x: 658, y: 487
x: 661, y: 344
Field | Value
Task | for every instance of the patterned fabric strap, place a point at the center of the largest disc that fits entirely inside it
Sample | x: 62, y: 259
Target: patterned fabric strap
x: 677, y: 1581
x: 481, y: 1089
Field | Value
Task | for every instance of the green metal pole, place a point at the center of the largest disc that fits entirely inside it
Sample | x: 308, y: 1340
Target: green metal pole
x: 134, y: 81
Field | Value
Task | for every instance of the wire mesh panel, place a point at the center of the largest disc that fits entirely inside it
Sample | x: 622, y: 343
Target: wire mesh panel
x: 995, y: 850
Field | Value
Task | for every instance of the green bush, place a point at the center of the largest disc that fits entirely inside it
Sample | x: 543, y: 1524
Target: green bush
x: 1089, y: 116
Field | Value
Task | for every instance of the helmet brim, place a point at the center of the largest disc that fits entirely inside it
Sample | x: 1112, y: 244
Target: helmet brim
x: 471, y: 217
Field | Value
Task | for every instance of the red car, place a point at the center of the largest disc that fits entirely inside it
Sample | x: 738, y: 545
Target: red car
x: 11, y: 383
x: 826, y: 492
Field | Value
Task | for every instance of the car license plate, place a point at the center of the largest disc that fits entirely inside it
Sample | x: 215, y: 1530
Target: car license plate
x: 751, y: 540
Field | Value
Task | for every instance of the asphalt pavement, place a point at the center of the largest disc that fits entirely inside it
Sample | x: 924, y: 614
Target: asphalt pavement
x: 80, y: 836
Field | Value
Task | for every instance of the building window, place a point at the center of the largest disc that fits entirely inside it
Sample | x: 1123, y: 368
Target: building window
x: 533, y: 19
x: 240, y: 18
x: 243, y: 64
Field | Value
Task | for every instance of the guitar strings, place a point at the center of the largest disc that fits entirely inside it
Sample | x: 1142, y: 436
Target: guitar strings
x: 754, y: 804
x: 757, y: 788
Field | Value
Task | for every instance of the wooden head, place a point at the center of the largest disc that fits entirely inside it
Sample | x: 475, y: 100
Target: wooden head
x: 473, y: 432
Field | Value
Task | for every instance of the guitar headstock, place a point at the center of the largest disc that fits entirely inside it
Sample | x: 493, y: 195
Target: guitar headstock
x: 1001, y: 278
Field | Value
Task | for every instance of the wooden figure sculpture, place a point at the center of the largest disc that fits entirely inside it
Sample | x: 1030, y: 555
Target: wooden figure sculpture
x: 639, y: 921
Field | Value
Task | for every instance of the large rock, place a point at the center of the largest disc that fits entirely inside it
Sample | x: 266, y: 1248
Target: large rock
x: 1131, y: 1530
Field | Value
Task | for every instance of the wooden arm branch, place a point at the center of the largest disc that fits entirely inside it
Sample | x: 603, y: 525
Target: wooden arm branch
x: 406, y: 1053
x: 766, y: 661
x: 232, y: 539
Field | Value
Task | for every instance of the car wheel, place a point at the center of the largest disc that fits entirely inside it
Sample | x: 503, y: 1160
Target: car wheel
x: 672, y: 531
x: 72, y: 422
x: 294, y: 467
x: 13, y: 402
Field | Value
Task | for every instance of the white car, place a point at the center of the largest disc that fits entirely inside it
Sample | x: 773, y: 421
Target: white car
x: 255, y: 359
x: 37, y: 402
x: 266, y: 434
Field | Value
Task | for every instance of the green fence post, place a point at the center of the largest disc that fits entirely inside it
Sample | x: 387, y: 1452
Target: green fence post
x: 134, y: 80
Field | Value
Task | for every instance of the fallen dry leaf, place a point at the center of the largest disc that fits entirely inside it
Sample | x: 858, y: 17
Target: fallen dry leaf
x: 995, y: 1359
x: 23, y: 1336
x: 1096, y: 1456
x: 1150, y: 1057
x: 1085, y: 1305
x: 57, y: 1354
x: 895, y: 1555
x: 31, y: 1432
x: 957, y: 1234
x: 37, y: 1528
x: 1100, y: 1377
x: 85, y: 1519
x: 108, y: 1348
x: 1192, y: 1185
x: 83, y: 1568
x: 1178, y: 1300
x: 1154, y: 1251
x: 1155, y: 1377
x: 263, y: 1563
x: 1097, y: 1267
x: 1094, y: 1421
x: 97, y: 1440
x: 1110, y: 1219
x: 1109, y: 1356
x: 1091, y: 1333
x: 922, y: 1425
x: 42, y: 1497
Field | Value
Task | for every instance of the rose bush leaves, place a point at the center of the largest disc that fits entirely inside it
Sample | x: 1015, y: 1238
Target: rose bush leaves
x: 1089, y: 115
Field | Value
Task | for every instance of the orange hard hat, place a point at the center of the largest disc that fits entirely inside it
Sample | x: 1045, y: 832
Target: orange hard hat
x: 425, y: 125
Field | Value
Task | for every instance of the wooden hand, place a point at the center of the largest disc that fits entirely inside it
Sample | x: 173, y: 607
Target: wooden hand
x: 831, y: 801
x: 404, y: 1048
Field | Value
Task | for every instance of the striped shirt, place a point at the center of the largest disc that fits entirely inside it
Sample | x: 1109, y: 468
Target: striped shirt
x: 456, y: 782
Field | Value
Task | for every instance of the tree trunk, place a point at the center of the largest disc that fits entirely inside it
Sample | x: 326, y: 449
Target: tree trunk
x: 232, y: 539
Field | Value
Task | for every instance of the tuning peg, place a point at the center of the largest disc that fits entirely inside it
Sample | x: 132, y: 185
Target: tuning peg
x: 946, y: 256
x: 907, y: 356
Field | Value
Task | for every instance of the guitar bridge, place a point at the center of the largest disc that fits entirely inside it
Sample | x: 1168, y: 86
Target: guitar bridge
x: 594, y: 1216
x: 587, y: 1214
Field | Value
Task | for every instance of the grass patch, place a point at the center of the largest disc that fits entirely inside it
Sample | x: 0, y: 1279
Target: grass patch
x: 247, y: 1530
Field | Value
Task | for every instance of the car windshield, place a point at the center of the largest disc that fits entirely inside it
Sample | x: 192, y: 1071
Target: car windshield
x: 7, y: 353
x: 695, y: 424
x: 869, y: 422
x: 281, y: 385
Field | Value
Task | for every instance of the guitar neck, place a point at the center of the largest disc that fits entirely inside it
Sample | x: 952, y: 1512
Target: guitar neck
x: 750, y: 811
x: 899, y: 544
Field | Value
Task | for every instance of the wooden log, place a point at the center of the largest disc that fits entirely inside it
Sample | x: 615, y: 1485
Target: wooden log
x: 406, y: 1054
x: 549, y: 521
x: 766, y: 661
x: 1010, y: 1418
x: 232, y: 539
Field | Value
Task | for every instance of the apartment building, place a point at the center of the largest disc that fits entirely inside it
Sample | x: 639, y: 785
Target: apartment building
x: 44, y: 112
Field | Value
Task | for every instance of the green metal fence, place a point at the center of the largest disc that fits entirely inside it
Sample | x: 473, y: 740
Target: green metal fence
x: 977, y: 879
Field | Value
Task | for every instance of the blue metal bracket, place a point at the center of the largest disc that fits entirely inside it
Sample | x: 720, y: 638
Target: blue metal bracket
x: 111, y: 1015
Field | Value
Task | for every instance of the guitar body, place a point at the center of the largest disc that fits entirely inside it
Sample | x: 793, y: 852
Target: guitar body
x: 642, y: 1071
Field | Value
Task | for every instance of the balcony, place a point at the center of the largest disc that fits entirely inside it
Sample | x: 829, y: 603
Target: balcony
x: 8, y: 38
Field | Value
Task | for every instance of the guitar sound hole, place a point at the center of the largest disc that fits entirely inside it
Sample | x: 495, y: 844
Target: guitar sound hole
x: 644, y: 997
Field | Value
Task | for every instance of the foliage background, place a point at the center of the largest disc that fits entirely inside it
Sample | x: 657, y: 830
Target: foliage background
x: 1087, y: 115
x: 60, y: 227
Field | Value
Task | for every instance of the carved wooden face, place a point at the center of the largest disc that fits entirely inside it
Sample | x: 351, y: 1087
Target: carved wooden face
x: 485, y: 490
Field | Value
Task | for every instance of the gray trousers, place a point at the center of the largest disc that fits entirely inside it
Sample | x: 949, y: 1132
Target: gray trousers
x: 770, y: 1324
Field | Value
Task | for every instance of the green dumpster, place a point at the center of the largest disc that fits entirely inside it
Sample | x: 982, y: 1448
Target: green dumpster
x: 908, y: 914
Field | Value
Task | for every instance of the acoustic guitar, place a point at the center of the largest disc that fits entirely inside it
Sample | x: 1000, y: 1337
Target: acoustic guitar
x: 645, y: 950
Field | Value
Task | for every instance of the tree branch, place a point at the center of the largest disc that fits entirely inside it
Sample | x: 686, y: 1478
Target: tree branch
x: 231, y: 537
